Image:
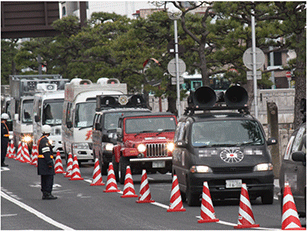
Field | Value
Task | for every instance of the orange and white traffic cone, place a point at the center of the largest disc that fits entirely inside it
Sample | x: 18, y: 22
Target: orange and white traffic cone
x: 25, y: 156
x: 97, y: 178
x: 19, y: 150
x: 111, y: 181
x: 58, y: 166
x: 13, y: 152
x: 69, y: 165
x: 290, y: 219
x: 246, y: 216
x: 34, y: 155
x: 145, y: 195
x: 75, y: 174
x: 8, y: 150
x: 207, y: 211
x: 175, y: 201
x: 129, y: 190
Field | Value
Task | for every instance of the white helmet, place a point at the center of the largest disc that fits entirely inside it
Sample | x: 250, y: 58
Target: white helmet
x: 4, y: 116
x: 46, y: 129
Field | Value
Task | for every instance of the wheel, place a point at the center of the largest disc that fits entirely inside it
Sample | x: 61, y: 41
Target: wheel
x: 268, y: 197
x: 115, y: 168
x: 123, y: 163
x: 103, y: 165
x: 192, y: 198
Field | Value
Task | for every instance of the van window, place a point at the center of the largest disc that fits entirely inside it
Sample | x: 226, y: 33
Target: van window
x: 84, y: 114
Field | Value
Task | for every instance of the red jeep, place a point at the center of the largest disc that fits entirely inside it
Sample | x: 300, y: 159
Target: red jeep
x: 145, y: 141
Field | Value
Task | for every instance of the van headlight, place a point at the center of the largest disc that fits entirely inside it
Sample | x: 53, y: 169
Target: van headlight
x: 109, y: 147
x: 141, y: 148
x: 263, y: 167
x: 80, y: 146
x: 26, y: 139
x: 170, y: 147
x: 200, y: 169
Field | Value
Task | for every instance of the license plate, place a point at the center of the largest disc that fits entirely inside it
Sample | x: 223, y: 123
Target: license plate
x: 158, y: 164
x: 234, y: 183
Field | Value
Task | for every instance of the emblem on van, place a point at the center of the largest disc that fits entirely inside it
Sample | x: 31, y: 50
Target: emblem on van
x: 231, y: 155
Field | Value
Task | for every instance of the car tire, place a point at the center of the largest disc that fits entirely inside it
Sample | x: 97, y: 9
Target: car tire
x: 267, y: 198
x: 192, y: 198
x: 115, y: 168
x: 123, y: 163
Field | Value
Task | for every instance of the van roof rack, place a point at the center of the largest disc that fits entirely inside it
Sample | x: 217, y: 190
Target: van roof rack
x: 191, y: 109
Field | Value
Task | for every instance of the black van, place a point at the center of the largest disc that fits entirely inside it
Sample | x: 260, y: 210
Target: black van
x: 224, y: 147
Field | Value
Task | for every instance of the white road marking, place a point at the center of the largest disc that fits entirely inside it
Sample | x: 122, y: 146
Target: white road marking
x: 35, y: 212
x: 8, y: 215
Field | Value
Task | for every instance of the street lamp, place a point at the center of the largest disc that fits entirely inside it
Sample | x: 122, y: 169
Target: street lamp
x: 175, y: 16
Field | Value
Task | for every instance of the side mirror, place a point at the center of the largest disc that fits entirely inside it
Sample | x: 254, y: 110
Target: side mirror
x: 16, y: 117
x: 98, y: 126
x: 69, y: 124
x: 272, y: 141
x: 36, y: 118
x: 180, y: 144
x: 119, y: 132
x: 299, y: 156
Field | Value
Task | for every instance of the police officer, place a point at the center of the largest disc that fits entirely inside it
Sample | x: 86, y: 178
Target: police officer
x: 4, y: 137
x: 45, y: 164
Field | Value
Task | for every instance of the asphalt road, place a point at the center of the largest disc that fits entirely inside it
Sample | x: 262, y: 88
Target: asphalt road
x: 83, y: 207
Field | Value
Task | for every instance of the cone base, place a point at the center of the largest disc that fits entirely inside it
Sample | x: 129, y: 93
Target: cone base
x: 60, y: 172
x: 112, y: 190
x: 76, y: 178
x: 67, y: 176
x: 176, y: 210
x: 295, y: 229
x: 98, y: 184
x: 246, y: 226
x: 147, y: 201
x: 207, y: 221
x: 125, y: 196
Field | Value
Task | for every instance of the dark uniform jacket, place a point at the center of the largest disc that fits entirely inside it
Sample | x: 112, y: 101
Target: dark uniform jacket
x: 4, y: 138
x: 45, y: 157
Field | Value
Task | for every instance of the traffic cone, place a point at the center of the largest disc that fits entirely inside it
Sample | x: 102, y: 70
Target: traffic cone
x: 175, y: 201
x: 8, y: 150
x: 69, y: 165
x: 111, y: 181
x: 13, y: 152
x: 246, y: 217
x: 128, y: 187
x: 58, y: 166
x: 145, y: 195
x: 207, y: 211
x: 97, y: 178
x: 290, y: 219
x: 19, y: 149
x: 21, y: 158
x: 25, y: 153
x: 34, y: 155
x: 75, y: 174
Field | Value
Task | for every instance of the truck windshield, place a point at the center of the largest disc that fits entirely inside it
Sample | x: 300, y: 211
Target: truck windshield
x: 226, y: 133
x: 85, y: 114
x: 150, y: 124
x: 53, y: 111
x: 27, y: 111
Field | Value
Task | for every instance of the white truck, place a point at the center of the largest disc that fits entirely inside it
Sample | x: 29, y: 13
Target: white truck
x: 78, y: 113
x: 23, y: 88
x: 48, y: 110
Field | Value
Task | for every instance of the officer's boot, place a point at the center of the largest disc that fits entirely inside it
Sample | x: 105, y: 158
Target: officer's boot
x: 45, y: 194
x: 50, y: 196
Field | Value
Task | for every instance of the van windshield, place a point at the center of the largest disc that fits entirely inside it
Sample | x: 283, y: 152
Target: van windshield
x: 85, y: 114
x: 226, y: 133
x: 53, y: 111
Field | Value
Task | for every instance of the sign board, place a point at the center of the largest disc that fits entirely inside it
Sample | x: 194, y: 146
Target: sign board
x: 248, y: 58
x: 174, y: 81
x: 171, y: 67
x: 288, y: 74
x: 249, y: 75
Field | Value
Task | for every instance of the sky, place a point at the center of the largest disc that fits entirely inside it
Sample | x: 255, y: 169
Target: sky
x: 119, y: 7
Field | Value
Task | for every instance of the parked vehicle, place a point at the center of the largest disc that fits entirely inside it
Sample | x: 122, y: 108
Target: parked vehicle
x: 293, y: 167
x: 23, y: 88
x: 221, y: 143
x: 78, y: 113
x: 106, y: 123
x: 145, y: 141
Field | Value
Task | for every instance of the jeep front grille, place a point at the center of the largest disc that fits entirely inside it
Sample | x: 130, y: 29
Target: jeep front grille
x: 156, y: 150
